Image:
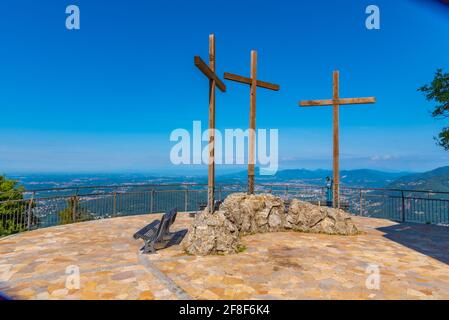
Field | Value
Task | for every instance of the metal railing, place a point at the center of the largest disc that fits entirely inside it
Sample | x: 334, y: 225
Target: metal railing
x: 49, y: 207
x: 418, y: 206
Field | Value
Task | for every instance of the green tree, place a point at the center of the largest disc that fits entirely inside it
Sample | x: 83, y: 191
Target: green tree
x: 73, y: 212
x: 13, y: 208
x: 438, y: 92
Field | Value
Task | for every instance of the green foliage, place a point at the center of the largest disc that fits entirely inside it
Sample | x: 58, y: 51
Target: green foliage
x: 12, y: 208
x: 9, y: 190
x: 438, y: 92
x: 73, y: 212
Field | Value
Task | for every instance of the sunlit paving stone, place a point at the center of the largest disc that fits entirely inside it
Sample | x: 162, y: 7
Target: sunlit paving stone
x: 413, y: 262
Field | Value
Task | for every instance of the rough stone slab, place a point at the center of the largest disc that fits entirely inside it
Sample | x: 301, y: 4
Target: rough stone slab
x: 413, y: 261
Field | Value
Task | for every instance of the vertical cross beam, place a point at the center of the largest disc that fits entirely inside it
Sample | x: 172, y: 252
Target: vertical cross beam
x: 253, y: 83
x: 252, y: 123
x: 214, y: 81
x: 336, y: 144
x: 211, y: 165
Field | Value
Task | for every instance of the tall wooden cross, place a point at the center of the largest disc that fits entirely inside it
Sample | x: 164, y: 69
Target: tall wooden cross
x: 253, y: 83
x: 336, y: 102
x: 214, y: 81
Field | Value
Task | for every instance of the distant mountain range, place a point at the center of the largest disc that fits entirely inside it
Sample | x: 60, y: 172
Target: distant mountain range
x: 435, y: 180
x: 355, y: 178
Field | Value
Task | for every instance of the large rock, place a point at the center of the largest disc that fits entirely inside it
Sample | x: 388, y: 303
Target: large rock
x: 306, y: 217
x: 241, y: 214
x: 211, y: 234
x: 254, y: 213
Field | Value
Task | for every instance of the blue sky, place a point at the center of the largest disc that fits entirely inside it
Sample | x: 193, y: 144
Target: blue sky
x: 106, y: 97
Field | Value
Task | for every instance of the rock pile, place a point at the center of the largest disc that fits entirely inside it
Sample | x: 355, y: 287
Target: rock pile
x: 241, y: 214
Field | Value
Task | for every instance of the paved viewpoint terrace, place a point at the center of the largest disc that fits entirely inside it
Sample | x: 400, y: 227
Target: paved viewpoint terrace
x: 413, y: 261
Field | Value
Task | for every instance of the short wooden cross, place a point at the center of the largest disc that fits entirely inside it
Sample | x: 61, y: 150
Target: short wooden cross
x: 214, y: 81
x: 254, y: 83
x: 336, y: 102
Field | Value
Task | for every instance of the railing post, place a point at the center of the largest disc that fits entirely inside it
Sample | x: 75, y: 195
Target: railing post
x: 361, y: 203
x: 114, y: 208
x: 152, y: 201
x: 403, y: 207
x: 73, y: 208
x: 323, y: 194
x: 186, y: 199
x: 74, y: 205
x: 30, y: 211
x: 220, y: 193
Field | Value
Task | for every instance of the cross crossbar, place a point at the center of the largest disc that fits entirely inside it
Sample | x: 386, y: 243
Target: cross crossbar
x: 209, y: 73
x: 331, y: 102
x: 262, y: 84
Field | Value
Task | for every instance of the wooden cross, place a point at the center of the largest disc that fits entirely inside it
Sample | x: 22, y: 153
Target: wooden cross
x: 209, y: 72
x: 336, y: 102
x: 254, y: 83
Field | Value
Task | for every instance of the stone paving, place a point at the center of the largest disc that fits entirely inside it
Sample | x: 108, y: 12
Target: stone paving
x: 413, y: 261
